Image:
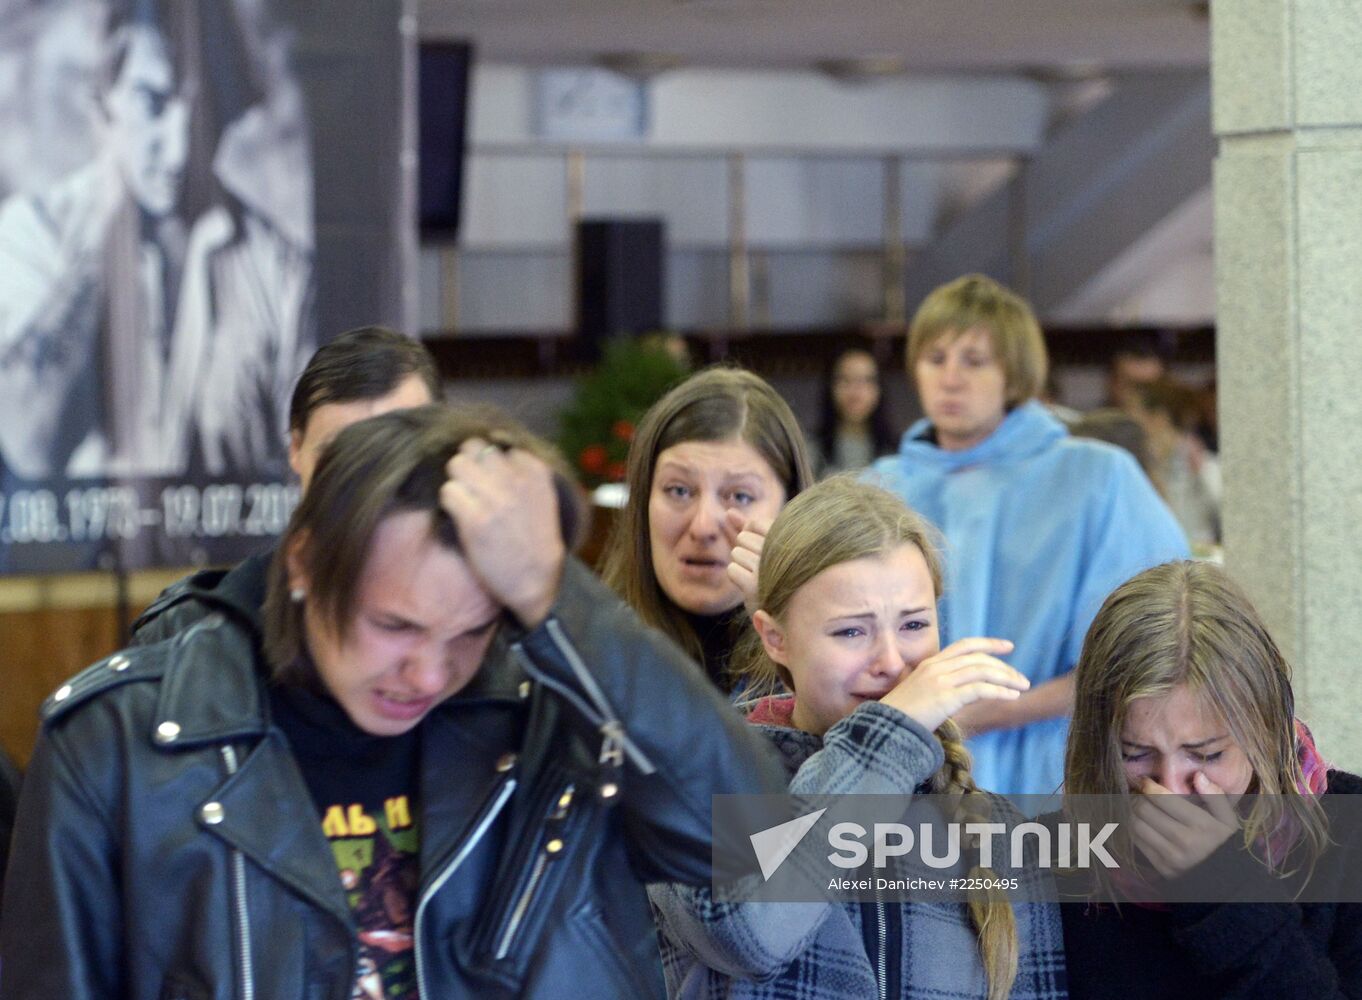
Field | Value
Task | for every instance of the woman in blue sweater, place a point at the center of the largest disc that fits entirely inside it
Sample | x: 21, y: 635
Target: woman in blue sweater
x: 1039, y: 526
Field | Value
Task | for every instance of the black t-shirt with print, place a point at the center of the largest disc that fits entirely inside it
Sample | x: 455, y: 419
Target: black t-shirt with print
x: 365, y: 790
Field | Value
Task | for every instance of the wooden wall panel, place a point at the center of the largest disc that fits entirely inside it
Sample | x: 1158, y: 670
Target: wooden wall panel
x: 54, y: 627
x: 38, y: 650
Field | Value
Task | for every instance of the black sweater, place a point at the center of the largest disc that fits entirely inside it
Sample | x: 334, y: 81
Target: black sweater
x: 1282, y: 951
x: 718, y: 635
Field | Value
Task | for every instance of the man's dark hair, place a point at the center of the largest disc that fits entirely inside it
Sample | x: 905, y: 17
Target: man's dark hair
x: 360, y: 364
x: 385, y: 465
x: 1144, y: 344
x: 176, y: 32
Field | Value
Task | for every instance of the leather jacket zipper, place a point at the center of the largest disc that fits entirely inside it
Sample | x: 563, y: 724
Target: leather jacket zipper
x: 882, y: 961
x: 550, y: 850
x: 599, y: 709
x: 522, y: 905
x: 242, y: 915
x: 499, y: 798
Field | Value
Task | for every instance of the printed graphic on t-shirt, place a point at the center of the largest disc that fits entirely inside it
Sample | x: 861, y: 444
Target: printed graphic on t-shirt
x: 377, y: 853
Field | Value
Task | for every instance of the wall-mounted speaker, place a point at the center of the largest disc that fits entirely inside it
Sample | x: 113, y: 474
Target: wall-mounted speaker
x: 443, y: 110
x: 620, y: 284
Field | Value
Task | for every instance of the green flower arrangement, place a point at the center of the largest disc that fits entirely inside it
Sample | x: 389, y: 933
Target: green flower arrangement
x: 597, y: 426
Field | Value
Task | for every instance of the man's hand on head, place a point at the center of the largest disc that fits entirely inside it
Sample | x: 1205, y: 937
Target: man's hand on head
x: 505, y: 507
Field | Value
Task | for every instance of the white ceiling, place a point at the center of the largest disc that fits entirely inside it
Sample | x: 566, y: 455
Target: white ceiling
x: 926, y: 35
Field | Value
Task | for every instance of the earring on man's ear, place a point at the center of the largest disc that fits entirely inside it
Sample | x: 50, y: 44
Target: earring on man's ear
x: 297, y: 595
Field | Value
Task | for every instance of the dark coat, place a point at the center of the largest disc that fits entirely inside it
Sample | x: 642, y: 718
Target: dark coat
x: 1218, y: 951
x: 167, y: 845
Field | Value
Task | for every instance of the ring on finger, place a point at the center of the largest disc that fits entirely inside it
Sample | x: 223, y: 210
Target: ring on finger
x: 484, y: 451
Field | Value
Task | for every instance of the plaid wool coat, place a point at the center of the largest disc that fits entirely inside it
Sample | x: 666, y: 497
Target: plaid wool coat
x: 817, y: 951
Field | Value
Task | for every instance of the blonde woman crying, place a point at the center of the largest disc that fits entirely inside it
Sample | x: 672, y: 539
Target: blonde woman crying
x: 846, y: 593
x: 1184, y: 704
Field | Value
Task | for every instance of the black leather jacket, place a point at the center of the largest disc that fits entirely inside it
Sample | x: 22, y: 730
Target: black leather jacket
x: 167, y: 846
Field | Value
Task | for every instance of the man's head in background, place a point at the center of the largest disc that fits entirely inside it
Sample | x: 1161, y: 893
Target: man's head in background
x: 1136, y: 363
x: 360, y: 374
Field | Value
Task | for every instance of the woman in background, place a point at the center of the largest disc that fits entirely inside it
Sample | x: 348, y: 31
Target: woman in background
x: 854, y: 427
x: 1040, y: 526
x: 1185, y: 471
x: 847, y: 622
x: 720, y: 450
x: 1184, y: 702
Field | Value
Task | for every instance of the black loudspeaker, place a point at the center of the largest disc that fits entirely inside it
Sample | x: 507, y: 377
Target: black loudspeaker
x: 620, y: 277
x: 443, y: 110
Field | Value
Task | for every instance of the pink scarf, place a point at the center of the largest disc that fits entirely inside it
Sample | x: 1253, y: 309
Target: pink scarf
x: 1314, y: 769
x: 775, y: 710
x: 1314, y: 781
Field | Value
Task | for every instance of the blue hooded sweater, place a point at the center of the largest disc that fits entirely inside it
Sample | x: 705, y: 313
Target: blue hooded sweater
x: 1039, y: 527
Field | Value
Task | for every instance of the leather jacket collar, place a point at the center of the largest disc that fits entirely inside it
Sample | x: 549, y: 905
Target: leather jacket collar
x: 211, y: 690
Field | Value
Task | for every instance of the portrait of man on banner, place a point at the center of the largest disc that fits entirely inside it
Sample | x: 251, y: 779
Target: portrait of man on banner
x: 156, y: 259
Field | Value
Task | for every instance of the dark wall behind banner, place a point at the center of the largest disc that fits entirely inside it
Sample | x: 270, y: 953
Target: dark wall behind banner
x: 351, y: 57
x: 282, y: 216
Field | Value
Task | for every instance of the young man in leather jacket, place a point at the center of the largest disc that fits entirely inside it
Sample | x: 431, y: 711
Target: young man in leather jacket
x: 442, y: 763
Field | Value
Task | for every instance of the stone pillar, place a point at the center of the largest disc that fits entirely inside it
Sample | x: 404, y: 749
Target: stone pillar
x: 1287, y: 108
